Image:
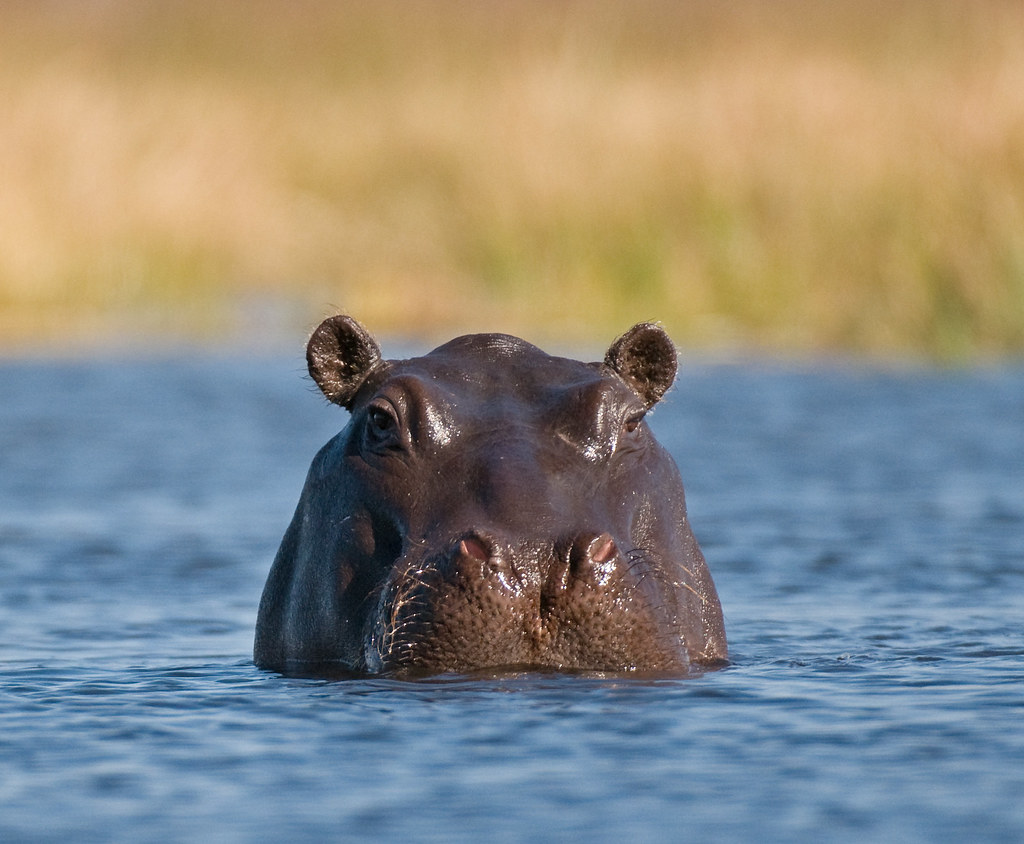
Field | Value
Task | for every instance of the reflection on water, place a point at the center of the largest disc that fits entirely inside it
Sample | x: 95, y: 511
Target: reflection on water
x: 864, y: 528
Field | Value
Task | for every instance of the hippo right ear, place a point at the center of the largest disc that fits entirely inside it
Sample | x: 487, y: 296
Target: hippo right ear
x: 340, y: 355
x: 645, y: 358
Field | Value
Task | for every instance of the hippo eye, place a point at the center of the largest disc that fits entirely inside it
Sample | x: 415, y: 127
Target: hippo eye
x: 632, y: 423
x: 381, y: 425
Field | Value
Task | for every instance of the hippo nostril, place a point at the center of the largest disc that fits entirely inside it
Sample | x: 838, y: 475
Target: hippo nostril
x: 475, y: 547
x: 481, y: 561
x: 593, y: 559
x: 602, y: 549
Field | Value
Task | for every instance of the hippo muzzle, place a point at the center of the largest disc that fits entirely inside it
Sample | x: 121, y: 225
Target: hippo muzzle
x: 490, y: 506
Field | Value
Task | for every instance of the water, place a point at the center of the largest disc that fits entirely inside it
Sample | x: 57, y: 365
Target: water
x: 865, y: 529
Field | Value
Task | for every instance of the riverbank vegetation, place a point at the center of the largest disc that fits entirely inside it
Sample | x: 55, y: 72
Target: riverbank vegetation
x: 795, y: 176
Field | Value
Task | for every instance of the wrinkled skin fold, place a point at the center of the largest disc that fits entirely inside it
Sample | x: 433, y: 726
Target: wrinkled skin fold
x: 490, y: 506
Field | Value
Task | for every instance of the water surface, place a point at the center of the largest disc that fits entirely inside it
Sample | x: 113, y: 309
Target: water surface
x: 865, y: 529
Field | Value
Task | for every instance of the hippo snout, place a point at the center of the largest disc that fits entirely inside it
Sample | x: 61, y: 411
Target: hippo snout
x: 574, y: 602
x: 490, y: 506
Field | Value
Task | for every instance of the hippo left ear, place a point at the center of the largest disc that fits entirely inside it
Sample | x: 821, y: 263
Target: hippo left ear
x: 645, y: 358
x: 340, y: 355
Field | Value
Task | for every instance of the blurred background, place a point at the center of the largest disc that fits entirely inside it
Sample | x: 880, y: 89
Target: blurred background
x: 794, y: 177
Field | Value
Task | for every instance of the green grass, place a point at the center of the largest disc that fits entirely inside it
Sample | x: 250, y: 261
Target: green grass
x: 796, y: 176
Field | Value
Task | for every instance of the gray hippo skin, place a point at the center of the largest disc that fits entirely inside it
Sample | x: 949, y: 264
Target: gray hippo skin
x: 489, y: 506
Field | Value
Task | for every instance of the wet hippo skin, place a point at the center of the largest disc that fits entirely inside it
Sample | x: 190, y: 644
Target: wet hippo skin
x: 490, y: 506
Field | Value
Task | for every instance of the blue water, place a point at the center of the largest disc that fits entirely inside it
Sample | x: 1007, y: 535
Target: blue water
x: 865, y: 529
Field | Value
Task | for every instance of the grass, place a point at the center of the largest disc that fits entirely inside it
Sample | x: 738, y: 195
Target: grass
x: 798, y: 176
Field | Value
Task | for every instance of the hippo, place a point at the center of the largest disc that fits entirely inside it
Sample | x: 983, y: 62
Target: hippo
x: 490, y: 507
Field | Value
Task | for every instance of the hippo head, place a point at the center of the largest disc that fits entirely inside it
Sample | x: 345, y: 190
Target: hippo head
x: 490, y: 506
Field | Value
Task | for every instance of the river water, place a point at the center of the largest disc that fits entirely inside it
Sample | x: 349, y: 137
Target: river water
x: 865, y: 529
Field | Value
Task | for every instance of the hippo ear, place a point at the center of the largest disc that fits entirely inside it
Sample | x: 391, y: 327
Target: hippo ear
x: 645, y: 358
x: 340, y: 355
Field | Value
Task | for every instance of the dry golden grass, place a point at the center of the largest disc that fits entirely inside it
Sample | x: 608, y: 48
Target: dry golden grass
x: 795, y: 175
